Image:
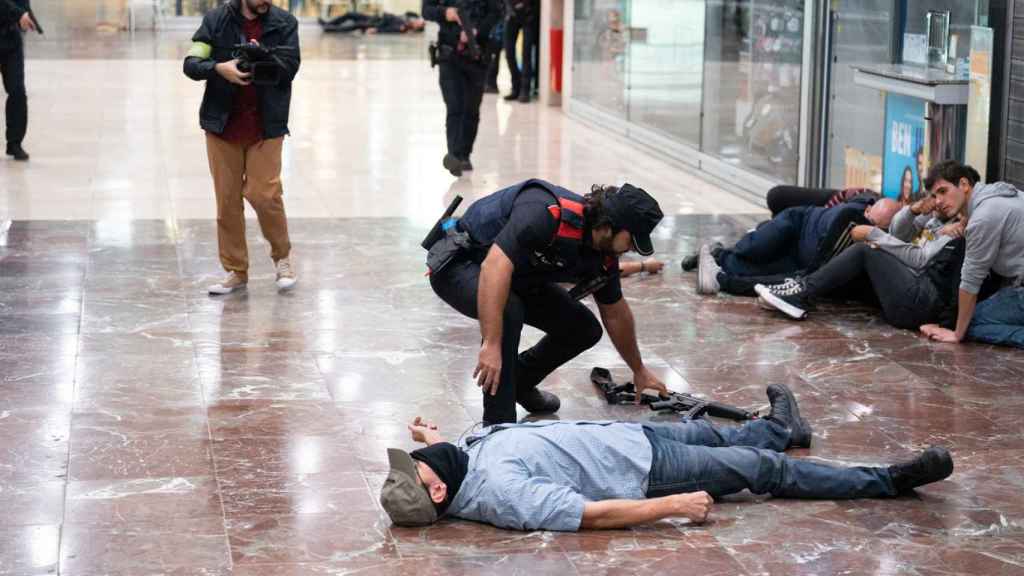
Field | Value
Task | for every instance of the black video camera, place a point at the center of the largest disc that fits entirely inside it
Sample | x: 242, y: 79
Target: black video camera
x: 261, y: 62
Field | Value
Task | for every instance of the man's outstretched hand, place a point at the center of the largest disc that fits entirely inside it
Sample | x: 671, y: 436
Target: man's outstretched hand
x: 644, y: 379
x: 488, y: 368
x: 939, y: 334
x: 424, y: 431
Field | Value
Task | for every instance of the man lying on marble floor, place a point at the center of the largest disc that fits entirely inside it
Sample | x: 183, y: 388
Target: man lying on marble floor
x: 567, y: 476
x: 935, y: 270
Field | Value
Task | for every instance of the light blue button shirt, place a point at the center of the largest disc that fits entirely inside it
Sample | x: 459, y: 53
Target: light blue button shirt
x: 538, y: 476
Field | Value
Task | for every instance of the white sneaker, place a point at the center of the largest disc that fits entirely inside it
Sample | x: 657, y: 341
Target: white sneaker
x: 285, y: 275
x: 232, y: 282
x: 707, y: 272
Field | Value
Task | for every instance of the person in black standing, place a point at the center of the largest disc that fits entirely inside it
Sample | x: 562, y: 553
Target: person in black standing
x: 494, y: 57
x: 15, y: 20
x: 463, y: 74
x: 521, y: 15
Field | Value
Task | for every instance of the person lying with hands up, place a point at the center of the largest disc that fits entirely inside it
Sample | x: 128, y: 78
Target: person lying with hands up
x: 570, y: 475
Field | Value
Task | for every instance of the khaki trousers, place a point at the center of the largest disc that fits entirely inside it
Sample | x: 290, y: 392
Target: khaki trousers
x: 252, y: 172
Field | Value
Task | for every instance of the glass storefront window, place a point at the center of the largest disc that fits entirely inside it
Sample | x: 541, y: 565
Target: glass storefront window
x: 752, y: 67
x: 861, y: 35
x: 600, y: 54
x: 666, y: 57
x: 721, y: 76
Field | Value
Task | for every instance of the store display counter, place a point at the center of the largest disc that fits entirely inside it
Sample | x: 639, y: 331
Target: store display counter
x: 944, y: 97
x: 928, y: 84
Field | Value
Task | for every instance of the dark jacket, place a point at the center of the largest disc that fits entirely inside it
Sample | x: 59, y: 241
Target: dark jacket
x: 485, y: 14
x: 11, y: 12
x: 823, y: 227
x: 221, y: 30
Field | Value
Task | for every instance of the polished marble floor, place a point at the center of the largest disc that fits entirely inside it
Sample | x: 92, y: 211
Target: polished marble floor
x: 146, y: 428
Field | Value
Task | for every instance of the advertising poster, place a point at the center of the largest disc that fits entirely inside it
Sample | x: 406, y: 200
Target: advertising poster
x: 904, y: 160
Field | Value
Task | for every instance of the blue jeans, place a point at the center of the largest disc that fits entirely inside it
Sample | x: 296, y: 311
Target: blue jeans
x: 772, y: 248
x: 695, y: 456
x: 1000, y: 319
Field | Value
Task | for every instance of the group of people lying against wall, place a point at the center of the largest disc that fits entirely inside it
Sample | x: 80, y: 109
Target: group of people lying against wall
x: 950, y: 264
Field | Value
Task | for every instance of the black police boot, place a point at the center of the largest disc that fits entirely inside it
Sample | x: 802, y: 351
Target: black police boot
x: 537, y: 401
x: 932, y: 465
x: 453, y: 165
x: 489, y: 89
x: 786, y: 412
x: 524, y: 98
x: 17, y: 152
x: 514, y: 95
x: 466, y: 165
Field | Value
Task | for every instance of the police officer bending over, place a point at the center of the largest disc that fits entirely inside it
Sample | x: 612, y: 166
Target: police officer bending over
x: 463, y: 70
x: 501, y: 263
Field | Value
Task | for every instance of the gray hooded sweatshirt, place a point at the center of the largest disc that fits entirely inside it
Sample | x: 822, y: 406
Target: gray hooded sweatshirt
x: 913, y: 240
x: 995, y: 235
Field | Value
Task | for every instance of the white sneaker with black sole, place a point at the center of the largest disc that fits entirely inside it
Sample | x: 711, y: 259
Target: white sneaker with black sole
x: 707, y: 272
x: 782, y: 297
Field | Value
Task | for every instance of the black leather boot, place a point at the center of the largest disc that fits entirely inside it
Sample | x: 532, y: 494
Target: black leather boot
x: 932, y: 465
x: 786, y: 412
x: 17, y: 152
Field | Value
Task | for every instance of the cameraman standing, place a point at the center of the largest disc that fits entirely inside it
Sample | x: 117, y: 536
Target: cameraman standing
x: 245, y: 126
x: 14, y: 20
x: 463, y: 73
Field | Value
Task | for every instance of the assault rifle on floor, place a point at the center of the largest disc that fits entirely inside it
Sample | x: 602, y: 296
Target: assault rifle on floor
x: 690, y: 407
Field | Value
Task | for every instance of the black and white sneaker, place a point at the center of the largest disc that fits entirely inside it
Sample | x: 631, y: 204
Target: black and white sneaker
x: 787, y: 298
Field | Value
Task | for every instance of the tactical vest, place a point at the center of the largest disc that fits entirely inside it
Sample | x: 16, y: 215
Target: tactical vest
x: 485, y: 219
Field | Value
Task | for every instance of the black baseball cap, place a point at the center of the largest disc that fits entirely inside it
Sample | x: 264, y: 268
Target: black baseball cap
x: 633, y: 209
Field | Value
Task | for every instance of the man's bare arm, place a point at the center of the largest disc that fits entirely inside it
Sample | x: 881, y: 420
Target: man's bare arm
x: 609, y: 514
x: 425, y: 432
x: 492, y: 295
x: 618, y: 321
